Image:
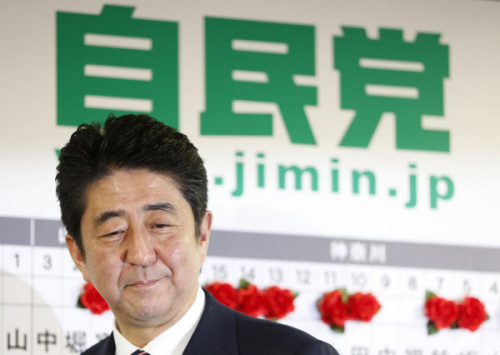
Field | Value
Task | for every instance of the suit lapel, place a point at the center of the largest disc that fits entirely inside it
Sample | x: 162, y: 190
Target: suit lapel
x: 105, y: 347
x: 215, y: 333
x: 110, y: 347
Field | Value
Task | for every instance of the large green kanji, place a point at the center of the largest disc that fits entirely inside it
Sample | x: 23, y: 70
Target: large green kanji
x: 354, y: 47
x: 223, y: 58
x: 76, y: 53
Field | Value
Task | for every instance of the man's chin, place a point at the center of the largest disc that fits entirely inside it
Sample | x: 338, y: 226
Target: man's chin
x: 147, y: 315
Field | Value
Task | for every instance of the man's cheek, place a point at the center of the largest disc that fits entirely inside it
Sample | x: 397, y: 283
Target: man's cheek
x: 171, y: 253
x: 106, y: 272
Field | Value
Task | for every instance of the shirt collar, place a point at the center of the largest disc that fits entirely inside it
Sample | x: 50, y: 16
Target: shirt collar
x: 173, y: 340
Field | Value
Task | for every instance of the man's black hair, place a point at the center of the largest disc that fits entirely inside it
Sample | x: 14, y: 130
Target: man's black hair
x: 126, y: 142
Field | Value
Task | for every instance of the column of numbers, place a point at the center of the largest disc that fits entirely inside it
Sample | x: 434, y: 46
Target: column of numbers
x: 17, y: 298
x: 17, y: 279
x: 47, y: 268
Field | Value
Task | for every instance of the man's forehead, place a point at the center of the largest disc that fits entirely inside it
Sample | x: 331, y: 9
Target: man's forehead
x: 132, y: 180
x: 145, y: 189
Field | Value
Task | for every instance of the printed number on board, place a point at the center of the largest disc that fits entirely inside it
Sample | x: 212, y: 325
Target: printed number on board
x: 247, y: 273
x: 412, y: 283
x: 47, y: 262
x: 220, y: 272
x: 494, y: 288
x: 331, y: 279
x: 359, y: 280
x: 385, y: 280
x: 304, y: 276
x: 467, y: 287
x: 276, y: 275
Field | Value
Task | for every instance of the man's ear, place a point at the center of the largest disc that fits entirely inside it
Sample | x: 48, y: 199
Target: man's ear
x: 205, y: 229
x: 77, y: 256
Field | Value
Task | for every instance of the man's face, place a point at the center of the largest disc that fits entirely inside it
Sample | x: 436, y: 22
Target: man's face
x: 141, y: 253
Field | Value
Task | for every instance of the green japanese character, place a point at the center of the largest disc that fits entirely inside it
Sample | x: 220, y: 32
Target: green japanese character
x: 291, y: 53
x: 420, y: 78
x: 114, y: 63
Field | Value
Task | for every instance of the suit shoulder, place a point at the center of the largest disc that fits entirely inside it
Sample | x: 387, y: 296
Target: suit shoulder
x: 99, y: 348
x: 262, y: 327
x: 260, y: 336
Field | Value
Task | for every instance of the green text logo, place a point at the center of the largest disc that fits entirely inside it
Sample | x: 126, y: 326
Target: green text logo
x: 391, y: 75
x: 257, y: 61
x: 114, y: 63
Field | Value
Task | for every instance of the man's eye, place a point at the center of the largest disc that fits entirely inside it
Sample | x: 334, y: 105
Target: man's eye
x: 161, y: 226
x: 112, y: 234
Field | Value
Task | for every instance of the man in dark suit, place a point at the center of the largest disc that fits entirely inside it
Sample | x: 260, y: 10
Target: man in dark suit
x: 133, y: 198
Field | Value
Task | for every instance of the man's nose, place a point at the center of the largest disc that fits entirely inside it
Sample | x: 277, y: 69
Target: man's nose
x: 139, y: 250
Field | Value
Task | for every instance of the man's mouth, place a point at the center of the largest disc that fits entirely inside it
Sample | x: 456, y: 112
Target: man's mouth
x: 144, y: 283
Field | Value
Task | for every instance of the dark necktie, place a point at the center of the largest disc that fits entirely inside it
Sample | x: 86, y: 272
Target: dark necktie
x: 140, y: 352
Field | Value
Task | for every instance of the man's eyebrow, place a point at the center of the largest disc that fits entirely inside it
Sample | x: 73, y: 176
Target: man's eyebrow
x: 160, y: 206
x: 107, y: 215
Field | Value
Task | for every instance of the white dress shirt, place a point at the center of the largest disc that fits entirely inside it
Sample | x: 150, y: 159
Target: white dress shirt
x: 172, y: 341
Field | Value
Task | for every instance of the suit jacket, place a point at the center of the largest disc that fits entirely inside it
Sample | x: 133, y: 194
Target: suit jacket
x: 222, y: 331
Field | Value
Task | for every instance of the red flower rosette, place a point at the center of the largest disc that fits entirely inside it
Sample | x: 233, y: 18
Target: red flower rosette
x: 472, y: 314
x: 92, y: 300
x: 441, y: 312
x: 224, y: 293
x: 279, y: 302
x: 362, y: 306
x: 333, y: 309
x: 250, y: 300
x: 274, y: 303
x: 337, y: 307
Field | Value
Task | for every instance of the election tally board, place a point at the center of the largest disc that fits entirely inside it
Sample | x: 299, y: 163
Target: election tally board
x: 40, y: 286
